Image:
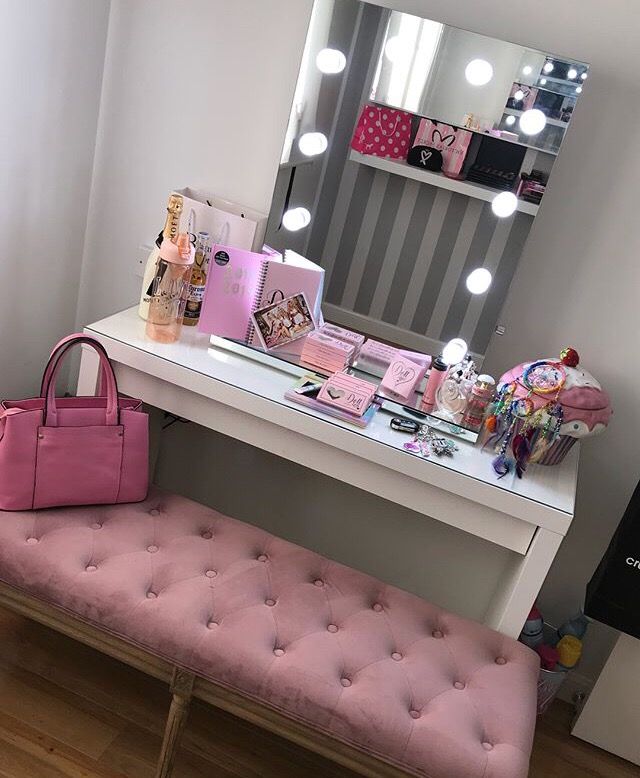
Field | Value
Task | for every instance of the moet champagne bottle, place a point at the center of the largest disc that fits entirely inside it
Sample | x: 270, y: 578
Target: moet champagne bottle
x: 170, y: 232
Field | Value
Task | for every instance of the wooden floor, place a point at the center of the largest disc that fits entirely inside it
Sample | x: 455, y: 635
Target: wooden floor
x: 67, y: 711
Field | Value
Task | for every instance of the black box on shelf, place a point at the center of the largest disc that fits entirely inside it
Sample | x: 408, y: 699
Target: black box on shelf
x: 494, y: 162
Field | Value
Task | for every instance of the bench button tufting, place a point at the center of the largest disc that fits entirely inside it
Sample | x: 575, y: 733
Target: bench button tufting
x: 211, y: 573
x: 487, y: 746
x: 32, y: 541
x: 154, y: 512
x: 91, y: 568
x: 415, y: 714
x: 437, y: 634
x: 96, y: 525
x: 262, y: 558
x: 212, y: 624
x: 207, y: 535
x: 332, y: 628
x: 459, y: 685
x: 318, y: 582
x: 270, y: 602
x: 377, y: 607
x: 501, y: 660
x: 151, y: 595
x: 396, y: 656
x: 346, y: 682
x: 152, y: 549
x: 278, y: 651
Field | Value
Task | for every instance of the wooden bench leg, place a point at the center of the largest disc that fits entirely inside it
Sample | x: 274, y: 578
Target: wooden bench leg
x: 181, y: 688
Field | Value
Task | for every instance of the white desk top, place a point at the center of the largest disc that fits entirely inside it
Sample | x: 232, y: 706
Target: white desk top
x: 545, y: 495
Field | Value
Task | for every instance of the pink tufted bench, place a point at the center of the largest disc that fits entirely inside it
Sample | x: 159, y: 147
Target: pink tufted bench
x: 371, y: 676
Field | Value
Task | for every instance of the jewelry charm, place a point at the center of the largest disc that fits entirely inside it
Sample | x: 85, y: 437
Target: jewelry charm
x: 442, y: 446
x: 426, y: 441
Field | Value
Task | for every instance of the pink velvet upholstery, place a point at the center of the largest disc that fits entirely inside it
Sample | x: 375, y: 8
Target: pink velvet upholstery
x: 381, y: 669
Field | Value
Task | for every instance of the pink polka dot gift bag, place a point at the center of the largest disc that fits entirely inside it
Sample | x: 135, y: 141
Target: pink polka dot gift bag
x: 383, y: 132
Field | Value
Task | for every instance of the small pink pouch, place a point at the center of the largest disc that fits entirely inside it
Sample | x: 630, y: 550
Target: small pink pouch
x: 401, y: 378
x: 348, y: 393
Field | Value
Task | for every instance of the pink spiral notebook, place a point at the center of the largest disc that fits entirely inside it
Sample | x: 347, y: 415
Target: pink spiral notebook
x: 240, y: 282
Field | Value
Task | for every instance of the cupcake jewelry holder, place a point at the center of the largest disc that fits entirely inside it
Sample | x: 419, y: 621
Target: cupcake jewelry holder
x: 541, y: 409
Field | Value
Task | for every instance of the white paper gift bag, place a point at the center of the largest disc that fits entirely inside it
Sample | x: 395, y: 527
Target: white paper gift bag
x: 226, y: 222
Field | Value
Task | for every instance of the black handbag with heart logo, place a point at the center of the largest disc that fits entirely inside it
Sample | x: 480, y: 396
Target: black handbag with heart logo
x: 425, y: 157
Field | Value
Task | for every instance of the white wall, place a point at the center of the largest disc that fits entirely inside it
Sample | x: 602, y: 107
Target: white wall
x: 578, y: 282
x: 51, y: 59
x: 195, y: 93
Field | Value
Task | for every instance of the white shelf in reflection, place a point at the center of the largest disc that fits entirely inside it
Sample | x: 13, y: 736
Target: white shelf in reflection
x: 470, y: 189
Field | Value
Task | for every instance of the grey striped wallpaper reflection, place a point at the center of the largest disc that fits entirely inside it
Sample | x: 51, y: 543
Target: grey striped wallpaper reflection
x: 399, y: 251
x: 396, y: 252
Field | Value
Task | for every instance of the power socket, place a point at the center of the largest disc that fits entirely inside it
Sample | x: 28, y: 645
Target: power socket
x: 142, y: 255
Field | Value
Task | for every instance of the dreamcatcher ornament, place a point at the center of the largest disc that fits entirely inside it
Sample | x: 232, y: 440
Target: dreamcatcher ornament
x: 515, y: 427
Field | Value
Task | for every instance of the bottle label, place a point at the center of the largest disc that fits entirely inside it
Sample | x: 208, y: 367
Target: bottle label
x: 195, y: 295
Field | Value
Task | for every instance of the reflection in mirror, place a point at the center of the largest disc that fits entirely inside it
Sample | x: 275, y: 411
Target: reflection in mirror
x: 415, y: 160
x: 475, y: 82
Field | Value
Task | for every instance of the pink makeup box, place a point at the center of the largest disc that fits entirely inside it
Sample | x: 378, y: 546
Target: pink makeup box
x: 324, y: 352
x: 401, y: 378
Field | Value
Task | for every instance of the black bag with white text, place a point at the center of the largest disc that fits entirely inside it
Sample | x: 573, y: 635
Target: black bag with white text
x: 613, y: 593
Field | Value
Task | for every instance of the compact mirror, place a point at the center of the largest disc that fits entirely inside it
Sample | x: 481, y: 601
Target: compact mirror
x: 416, y: 158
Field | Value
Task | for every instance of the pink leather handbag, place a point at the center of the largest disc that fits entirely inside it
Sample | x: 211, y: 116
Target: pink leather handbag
x: 73, y: 450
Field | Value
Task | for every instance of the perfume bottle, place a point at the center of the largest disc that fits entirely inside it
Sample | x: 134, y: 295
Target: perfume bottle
x: 169, y: 232
x: 195, y: 292
x: 169, y: 290
x: 436, y: 376
x: 478, y: 402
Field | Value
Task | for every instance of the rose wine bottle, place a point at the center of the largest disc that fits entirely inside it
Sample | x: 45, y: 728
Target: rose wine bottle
x: 170, y: 233
x: 169, y: 290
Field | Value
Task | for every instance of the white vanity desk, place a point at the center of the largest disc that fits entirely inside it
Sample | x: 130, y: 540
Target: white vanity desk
x: 244, y: 399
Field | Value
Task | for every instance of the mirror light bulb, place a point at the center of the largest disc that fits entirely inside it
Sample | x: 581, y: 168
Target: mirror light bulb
x: 312, y: 143
x: 395, y: 49
x: 331, y: 61
x: 572, y: 73
x: 504, y: 204
x: 584, y: 76
x: 543, y: 81
x: 532, y: 121
x: 510, y: 120
x: 296, y: 219
x: 478, y: 72
x: 479, y: 280
x: 455, y: 351
x: 527, y: 70
x: 548, y: 67
x: 578, y: 90
x: 519, y: 95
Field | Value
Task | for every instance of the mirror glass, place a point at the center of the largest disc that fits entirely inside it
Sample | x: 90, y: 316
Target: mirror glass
x: 472, y: 81
x: 416, y: 158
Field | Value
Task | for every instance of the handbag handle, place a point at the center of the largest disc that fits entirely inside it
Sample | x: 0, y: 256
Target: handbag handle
x: 383, y: 132
x: 56, y: 354
x: 51, y: 373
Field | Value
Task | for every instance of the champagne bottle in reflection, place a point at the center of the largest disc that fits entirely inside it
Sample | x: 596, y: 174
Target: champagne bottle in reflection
x: 170, y: 233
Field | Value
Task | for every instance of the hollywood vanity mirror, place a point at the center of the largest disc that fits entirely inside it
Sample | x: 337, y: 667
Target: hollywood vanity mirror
x: 417, y: 252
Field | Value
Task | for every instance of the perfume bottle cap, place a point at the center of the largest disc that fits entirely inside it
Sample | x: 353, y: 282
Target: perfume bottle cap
x: 439, y: 364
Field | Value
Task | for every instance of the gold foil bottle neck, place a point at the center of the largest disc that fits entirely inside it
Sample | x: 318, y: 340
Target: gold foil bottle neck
x: 172, y: 224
